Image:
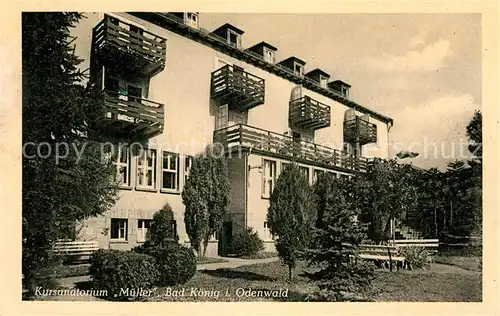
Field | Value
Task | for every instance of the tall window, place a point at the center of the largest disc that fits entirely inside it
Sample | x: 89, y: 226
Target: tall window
x: 268, y: 55
x: 268, y: 178
x: 298, y: 69
x: 267, y: 232
x: 119, y: 229
x: 316, y: 174
x: 221, y: 117
x: 304, y: 171
x: 323, y: 82
x: 121, y: 159
x: 188, y: 162
x: 142, y: 229
x: 170, y: 171
x: 146, y: 169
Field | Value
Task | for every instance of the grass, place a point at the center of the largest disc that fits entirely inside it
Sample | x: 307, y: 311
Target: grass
x: 261, y: 255
x: 467, y: 263
x: 418, y: 286
x: 443, y: 285
x: 66, y: 271
x: 210, y: 260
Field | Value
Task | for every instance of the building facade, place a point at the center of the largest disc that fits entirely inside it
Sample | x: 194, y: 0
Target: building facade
x: 176, y: 88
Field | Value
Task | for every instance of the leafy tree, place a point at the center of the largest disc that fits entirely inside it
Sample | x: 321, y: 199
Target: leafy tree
x: 162, y: 231
x: 383, y: 191
x: 61, y: 188
x: 206, y: 197
x: 475, y: 134
x: 334, y: 245
x: 291, y: 215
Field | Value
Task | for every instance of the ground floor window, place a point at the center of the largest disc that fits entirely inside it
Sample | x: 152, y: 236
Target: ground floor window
x: 267, y: 232
x: 142, y: 229
x: 119, y: 228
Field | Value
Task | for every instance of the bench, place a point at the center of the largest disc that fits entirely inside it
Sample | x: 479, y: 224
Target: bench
x: 431, y: 245
x: 381, y: 253
x: 75, y: 249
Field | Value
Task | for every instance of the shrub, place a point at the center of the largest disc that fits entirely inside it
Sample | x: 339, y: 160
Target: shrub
x: 114, y: 270
x: 417, y: 257
x: 246, y: 242
x: 163, y: 230
x: 176, y: 264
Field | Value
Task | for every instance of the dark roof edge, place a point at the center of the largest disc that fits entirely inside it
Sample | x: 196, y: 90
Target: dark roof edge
x: 200, y: 35
x: 265, y: 44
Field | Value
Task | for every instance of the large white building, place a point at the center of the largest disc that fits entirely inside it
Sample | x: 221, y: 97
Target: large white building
x: 179, y: 87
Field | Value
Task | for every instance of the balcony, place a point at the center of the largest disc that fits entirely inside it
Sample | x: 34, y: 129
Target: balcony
x: 308, y: 113
x: 359, y: 130
x: 285, y: 147
x: 127, y: 48
x: 128, y: 116
x: 237, y: 88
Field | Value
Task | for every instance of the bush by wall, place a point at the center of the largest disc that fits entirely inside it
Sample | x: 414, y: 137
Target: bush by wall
x: 176, y: 264
x: 417, y: 257
x: 116, y: 271
x: 246, y: 242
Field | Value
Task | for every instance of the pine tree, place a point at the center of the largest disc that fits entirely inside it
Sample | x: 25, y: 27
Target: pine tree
x: 58, y: 189
x: 206, y: 197
x: 291, y: 215
x: 334, y: 246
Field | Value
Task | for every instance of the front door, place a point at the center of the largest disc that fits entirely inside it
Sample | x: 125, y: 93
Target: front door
x: 225, y: 242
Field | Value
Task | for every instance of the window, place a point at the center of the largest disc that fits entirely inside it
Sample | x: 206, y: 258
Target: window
x: 345, y: 91
x: 170, y: 171
x: 119, y: 229
x: 221, y: 117
x: 188, y: 162
x: 142, y: 229
x: 233, y: 39
x: 174, y: 228
x: 191, y: 19
x: 268, y: 55
x: 111, y: 84
x: 316, y: 173
x: 268, y: 178
x: 146, y: 169
x: 323, y: 81
x: 121, y: 159
x: 298, y: 69
x: 267, y: 232
x: 304, y: 171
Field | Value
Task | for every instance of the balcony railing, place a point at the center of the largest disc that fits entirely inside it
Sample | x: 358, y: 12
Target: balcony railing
x: 286, y: 147
x: 131, y: 116
x: 308, y: 113
x: 136, y: 51
x: 239, y: 89
x: 359, y: 130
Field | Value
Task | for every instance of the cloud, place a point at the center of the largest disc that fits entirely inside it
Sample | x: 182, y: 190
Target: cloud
x: 419, y: 38
x: 428, y: 59
x: 436, y: 128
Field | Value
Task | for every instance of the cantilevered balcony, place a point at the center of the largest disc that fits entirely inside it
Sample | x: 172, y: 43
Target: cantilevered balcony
x: 128, y: 116
x: 237, y: 88
x: 127, y: 49
x: 285, y: 147
x: 308, y: 113
x: 359, y: 130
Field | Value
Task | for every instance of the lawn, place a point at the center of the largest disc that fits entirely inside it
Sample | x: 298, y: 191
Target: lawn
x: 467, y: 263
x: 442, y: 284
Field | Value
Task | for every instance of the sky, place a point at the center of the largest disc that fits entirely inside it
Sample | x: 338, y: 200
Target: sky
x: 423, y: 70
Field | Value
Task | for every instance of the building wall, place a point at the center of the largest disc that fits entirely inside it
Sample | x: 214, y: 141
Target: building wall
x: 184, y: 88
